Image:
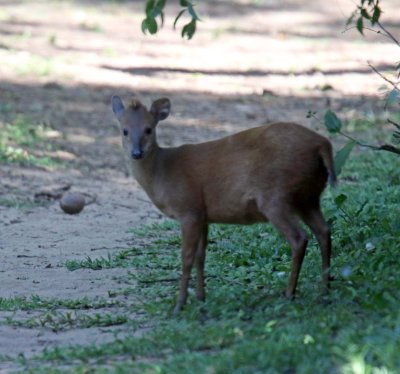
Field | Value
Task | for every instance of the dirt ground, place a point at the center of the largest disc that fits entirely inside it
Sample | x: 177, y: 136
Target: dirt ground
x: 249, y: 63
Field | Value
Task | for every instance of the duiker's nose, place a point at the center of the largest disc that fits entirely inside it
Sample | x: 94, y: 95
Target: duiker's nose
x: 137, y: 154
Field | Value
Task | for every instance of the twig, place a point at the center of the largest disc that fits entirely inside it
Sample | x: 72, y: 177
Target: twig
x: 384, y: 147
x: 389, y: 148
x: 385, y: 33
x: 388, y: 33
x: 366, y: 28
x: 383, y: 77
x: 358, y: 142
x: 393, y: 123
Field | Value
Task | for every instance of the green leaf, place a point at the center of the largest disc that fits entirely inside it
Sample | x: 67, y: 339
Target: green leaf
x: 178, y: 16
x: 360, y: 25
x: 332, y: 122
x: 193, y: 12
x: 342, y: 155
x: 376, y: 14
x: 365, y: 14
x: 339, y: 200
x: 351, y: 18
x: 150, y: 25
x: 270, y: 326
x: 184, y: 3
x: 189, y: 29
x: 149, y: 6
x: 157, y: 9
x: 161, y: 4
x: 393, y: 97
x: 311, y: 113
x: 144, y: 26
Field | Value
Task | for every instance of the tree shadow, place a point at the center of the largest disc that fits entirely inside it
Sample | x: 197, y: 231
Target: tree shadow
x: 150, y: 71
x: 82, y: 115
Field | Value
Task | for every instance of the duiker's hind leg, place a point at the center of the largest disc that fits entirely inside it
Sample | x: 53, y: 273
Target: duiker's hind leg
x: 315, y: 220
x: 284, y: 219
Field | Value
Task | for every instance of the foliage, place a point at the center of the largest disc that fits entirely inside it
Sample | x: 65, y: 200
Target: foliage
x: 36, y: 302
x: 335, y: 126
x: 155, y: 9
x: 368, y: 10
x: 59, y: 321
x: 20, y: 139
x: 246, y: 325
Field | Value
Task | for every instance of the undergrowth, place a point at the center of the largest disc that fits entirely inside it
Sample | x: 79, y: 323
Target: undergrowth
x: 246, y: 325
x: 24, y: 142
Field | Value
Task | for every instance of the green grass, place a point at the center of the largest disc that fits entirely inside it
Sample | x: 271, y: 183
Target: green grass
x: 62, y: 314
x: 36, y: 302
x: 22, y: 141
x: 60, y: 321
x: 21, y: 203
x: 35, y: 65
x: 245, y: 325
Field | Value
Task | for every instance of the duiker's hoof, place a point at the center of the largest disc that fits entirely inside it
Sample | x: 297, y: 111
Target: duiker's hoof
x: 289, y: 296
x: 177, y: 310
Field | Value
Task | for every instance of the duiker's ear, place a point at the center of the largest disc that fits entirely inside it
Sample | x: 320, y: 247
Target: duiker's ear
x: 160, y: 109
x: 117, y: 106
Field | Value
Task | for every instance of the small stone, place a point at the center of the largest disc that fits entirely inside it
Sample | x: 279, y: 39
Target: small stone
x: 72, y: 203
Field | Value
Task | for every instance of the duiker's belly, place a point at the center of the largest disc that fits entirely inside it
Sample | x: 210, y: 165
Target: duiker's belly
x: 228, y: 209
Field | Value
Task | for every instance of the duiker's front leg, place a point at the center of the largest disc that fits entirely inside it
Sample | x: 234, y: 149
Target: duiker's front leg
x: 191, y: 235
x: 199, y: 262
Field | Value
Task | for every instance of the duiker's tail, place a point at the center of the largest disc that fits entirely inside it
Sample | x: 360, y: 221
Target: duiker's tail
x: 326, y: 154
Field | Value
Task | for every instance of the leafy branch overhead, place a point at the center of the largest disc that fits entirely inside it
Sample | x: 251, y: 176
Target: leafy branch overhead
x: 155, y: 17
x: 368, y: 10
x: 334, y: 126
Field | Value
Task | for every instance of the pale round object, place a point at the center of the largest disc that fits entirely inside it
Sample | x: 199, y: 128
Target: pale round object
x: 72, y: 203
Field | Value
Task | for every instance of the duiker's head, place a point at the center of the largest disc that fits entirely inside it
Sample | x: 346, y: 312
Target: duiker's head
x: 138, y: 124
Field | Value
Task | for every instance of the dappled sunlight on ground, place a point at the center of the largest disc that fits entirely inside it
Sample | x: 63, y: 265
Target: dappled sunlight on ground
x: 292, y: 49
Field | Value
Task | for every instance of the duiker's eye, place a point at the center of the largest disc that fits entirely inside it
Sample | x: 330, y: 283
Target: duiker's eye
x: 125, y: 132
x: 149, y: 131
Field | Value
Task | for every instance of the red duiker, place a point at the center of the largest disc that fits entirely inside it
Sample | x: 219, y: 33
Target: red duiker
x: 273, y: 173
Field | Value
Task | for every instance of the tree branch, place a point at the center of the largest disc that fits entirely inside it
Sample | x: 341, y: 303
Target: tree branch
x: 383, y: 77
x: 389, y: 148
x: 366, y: 28
x: 393, y: 123
x: 384, y: 147
x: 388, y: 33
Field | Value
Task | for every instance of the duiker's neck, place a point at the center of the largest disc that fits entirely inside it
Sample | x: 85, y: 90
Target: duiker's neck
x: 144, y: 170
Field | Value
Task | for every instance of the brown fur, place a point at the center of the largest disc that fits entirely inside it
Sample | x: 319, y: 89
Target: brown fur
x: 272, y: 173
